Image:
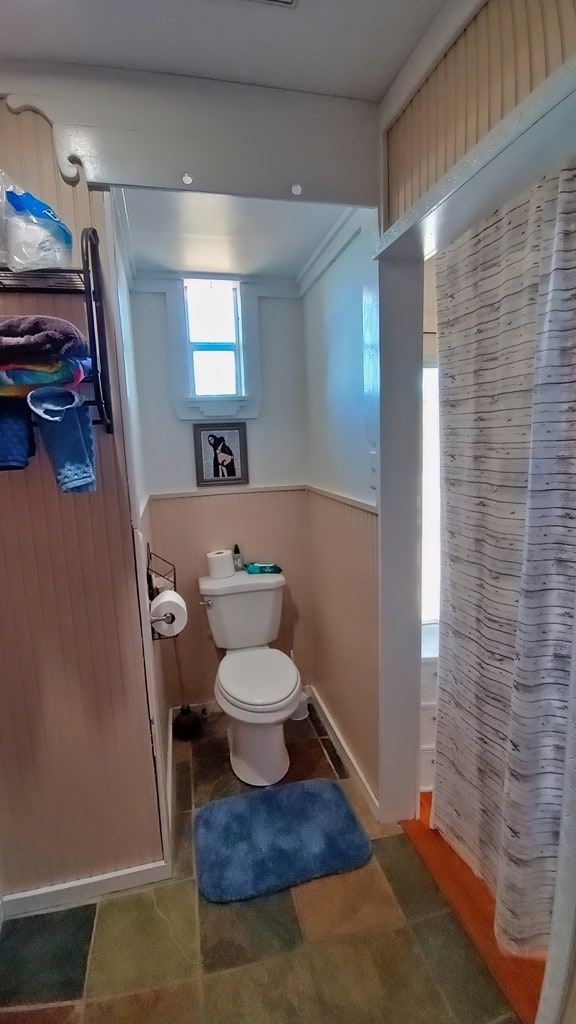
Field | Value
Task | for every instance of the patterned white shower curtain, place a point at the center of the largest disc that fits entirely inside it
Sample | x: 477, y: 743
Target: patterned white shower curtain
x: 506, y: 296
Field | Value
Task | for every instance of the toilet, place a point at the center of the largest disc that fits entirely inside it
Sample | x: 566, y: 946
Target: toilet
x: 258, y: 687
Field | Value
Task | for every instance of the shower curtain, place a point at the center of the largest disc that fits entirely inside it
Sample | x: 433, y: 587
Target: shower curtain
x: 506, y: 296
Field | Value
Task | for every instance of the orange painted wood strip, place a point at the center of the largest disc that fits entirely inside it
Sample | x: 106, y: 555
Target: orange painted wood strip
x: 520, y: 978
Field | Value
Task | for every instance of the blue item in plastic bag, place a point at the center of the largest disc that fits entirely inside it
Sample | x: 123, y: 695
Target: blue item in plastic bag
x: 36, y: 238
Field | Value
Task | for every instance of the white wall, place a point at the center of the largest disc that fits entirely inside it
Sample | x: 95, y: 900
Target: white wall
x: 276, y: 439
x: 338, y: 447
x: 131, y: 415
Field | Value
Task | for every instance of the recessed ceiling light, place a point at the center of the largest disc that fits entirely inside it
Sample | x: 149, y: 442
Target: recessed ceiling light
x: 187, y: 178
x: 296, y: 190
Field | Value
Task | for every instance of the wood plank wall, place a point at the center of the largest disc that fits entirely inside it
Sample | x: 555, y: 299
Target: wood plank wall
x: 77, y: 787
x: 509, y: 48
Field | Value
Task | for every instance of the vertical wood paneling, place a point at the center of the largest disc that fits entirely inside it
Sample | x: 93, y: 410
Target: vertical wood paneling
x: 431, y: 110
x: 329, y: 552
x: 522, y: 48
x: 552, y: 36
x: 495, y: 64
x: 567, y: 15
x: 471, y: 89
x: 460, y: 98
x: 450, y: 101
x: 344, y: 611
x: 537, y: 42
x: 268, y: 525
x: 414, y: 140
x: 509, y: 49
x: 441, y: 167
x: 77, y: 787
x: 26, y: 153
x: 482, y: 79
x: 508, y: 66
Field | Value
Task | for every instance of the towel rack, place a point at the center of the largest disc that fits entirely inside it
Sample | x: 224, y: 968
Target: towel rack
x: 89, y: 281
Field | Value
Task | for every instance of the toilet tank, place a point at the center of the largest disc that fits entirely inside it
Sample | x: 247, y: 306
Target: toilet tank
x: 245, y: 609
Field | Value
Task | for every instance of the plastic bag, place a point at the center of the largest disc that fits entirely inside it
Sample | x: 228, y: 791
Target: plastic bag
x: 5, y: 184
x: 32, y: 236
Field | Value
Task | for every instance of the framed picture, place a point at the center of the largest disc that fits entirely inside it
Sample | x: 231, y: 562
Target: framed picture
x: 221, y: 454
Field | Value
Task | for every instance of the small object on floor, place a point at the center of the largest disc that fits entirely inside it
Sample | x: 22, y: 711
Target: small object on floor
x: 187, y: 725
x: 301, y: 712
x: 253, y: 845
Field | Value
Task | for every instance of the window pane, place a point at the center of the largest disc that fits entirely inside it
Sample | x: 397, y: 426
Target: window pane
x: 215, y: 373
x: 430, y: 497
x: 211, y: 311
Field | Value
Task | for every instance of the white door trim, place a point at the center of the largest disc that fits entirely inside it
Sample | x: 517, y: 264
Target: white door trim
x: 162, y: 759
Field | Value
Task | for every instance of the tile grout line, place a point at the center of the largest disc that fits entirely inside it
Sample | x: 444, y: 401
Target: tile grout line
x: 429, y: 917
x: 112, y: 997
x: 89, y: 958
x: 502, y: 1018
x: 26, y: 1007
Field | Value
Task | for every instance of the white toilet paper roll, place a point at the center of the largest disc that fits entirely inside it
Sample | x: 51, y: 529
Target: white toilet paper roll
x: 168, y: 613
x: 220, y: 564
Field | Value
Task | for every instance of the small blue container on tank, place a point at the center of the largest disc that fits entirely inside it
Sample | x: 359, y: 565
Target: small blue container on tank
x: 255, y: 568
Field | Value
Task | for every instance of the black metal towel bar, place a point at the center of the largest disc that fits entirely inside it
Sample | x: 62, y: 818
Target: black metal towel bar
x: 89, y: 281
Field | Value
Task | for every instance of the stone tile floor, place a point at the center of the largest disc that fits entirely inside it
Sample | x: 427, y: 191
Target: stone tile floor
x: 374, y: 946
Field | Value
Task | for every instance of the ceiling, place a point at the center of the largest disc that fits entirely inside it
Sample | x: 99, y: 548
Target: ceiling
x: 350, y: 48
x: 187, y: 232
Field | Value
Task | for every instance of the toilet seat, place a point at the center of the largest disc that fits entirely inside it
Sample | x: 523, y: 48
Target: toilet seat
x: 258, y: 679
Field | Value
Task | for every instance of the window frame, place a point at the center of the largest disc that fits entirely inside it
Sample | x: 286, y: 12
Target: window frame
x: 235, y: 346
x: 185, y: 405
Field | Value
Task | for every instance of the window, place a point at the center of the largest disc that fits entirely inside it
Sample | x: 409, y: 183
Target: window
x: 214, y: 336
x: 213, y: 344
x: 430, y: 496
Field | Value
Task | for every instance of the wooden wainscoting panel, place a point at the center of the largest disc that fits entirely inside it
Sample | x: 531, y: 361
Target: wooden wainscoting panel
x: 509, y: 49
x: 344, y: 618
x: 77, y: 787
x: 268, y: 526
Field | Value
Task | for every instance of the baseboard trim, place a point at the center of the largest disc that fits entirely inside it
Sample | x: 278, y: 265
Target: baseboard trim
x: 83, y: 890
x: 345, y: 753
x: 169, y: 775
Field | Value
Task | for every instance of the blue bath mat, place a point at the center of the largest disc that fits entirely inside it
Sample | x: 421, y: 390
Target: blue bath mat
x: 263, y: 842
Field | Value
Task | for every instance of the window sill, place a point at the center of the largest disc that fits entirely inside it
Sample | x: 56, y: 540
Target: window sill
x: 241, y: 407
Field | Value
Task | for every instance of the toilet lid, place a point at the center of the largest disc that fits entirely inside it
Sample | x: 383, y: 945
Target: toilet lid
x: 258, y: 677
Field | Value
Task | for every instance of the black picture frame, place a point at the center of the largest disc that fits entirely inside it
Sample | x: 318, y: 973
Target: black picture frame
x: 221, y: 454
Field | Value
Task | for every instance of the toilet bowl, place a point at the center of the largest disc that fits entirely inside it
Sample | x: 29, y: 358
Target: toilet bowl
x: 259, y: 689
x: 257, y: 686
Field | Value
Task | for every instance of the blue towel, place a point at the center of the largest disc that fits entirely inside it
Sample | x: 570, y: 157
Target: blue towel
x: 16, y: 434
x: 65, y: 426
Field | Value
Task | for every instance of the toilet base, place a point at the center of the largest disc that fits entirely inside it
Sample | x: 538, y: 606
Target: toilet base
x: 258, y: 753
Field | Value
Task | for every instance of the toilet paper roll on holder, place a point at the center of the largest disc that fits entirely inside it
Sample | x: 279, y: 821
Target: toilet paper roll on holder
x: 168, y: 618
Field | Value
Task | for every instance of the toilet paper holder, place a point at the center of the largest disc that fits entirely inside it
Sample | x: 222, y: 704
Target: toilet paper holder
x: 168, y: 618
x: 160, y: 575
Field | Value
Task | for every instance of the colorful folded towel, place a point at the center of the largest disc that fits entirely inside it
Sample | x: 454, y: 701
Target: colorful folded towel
x: 39, y: 338
x: 16, y: 434
x: 17, y: 380
x: 65, y: 426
